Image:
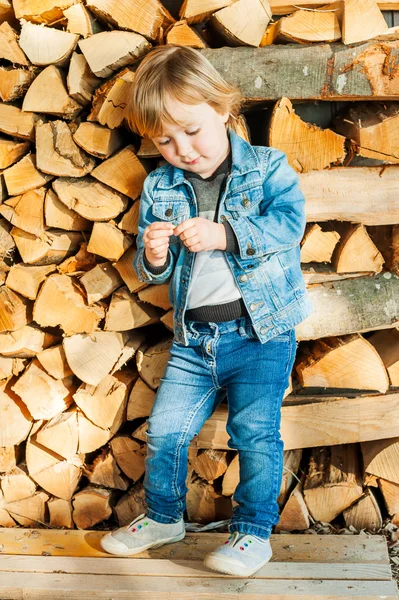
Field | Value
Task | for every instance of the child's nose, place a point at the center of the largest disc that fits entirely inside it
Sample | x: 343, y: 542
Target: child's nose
x: 184, y: 148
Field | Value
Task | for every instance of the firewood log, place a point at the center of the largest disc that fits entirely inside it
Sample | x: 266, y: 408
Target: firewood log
x: 380, y: 458
x: 133, y: 342
x: 181, y: 34
x: 157, y: 295
x: 167, y: 320
x: 131, y: 505
x: 373, y: 131
x: 60, y: 513
x: 304, y: 27
x: 59, y: 302
x: 91, y: 436
x: 122, y: 172
x: 318, y: 244
x: 98, y: 140
x: 8, y: 458
x: 356, y: 251
x: 125, y: 312
x: 26, y: 279
x: 25, y: 342
x: 29, y: 512
x: 108, y: 241
x: 45, y: 11
x: 124, y: 266
x: 92, y: 505
x: 204, y: 504
x: 91, y: 357
x: 243, y: 22
x: 56, y: 100
x: 90, y: 198
x: 16, y: 485
x: 295, y: 514
x: 386, y: 343
x: 140, y: 401
x: 16, y: 122
x: 390, y: 492
x: 148, y: 149
x: 51, y: 248
x: 6, y: 11
x: 104, y: 471
x: 14, y: 82
x: 7, y: 244
x: 110, y: 51
x: 130, y: 219
x: 54, y: 361
x: 81, y: 21
x: 292, y: 460
x: 342, y: 362
x: 11, y: 366
x: 307, y: 147
x: 26, y: 211
x: 24, y: 176
x: 9, y: 47
x: 57, y: 215
x: 210, y: 464
x: 15, y: 310
x: 360, y: 25
x: 129, y: 455
x: 47, y: 45
x: 81, y: 82
x: 333, y: 481
x: 16, y: 427
x: 195, y: 12
x: 110, y: 100
x: 60, y: 434
x: 151, y: 362
x: 5, y: 518
x: 365, y: 513
x: 100, y: 282
x: 78, y: 264
x: 11, y: 151
x: 141, y: 432
x: 144, y: 16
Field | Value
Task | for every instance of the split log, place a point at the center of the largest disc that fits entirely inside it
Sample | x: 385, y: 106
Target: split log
x: 100, y: 282
x: 108, y: 241
x: 342, y: 362
x: 373, y: 130
x: 390, y: 492
x: 11, y: 366
x: 16, y: 427
x: 60, y: 435
x: 24, y: 176
x: 89, y: 198
x: 81, y: 81
x: 110, y: 51
x: 124, y: 266
x: 98, y: 140
x: 141, y: 400
x: 380, y: 458
x: 359, y: 25
x: 333, y: 481
x: 11, y: 151
x: 167, y: 320
x: 60, y: 303
x: 243, y: 22
x: 131, y: 345
x: 81, y: 21
x: 51, y: 248
x: 129, y: 455
x: 15, y: 82
x: 29, y: 512
x: 125, y: 312
x: 47, y: 45
x: 356, y: 251
x: 130, y: 219
x: 152, y: 361
x: 58, y: 154
x: 283, y: 7
x: 318, y: 245
x: 78, y: 264
x: 156, y: 295
x: 386, y: 343
x: 292, y: 460
x: 205, y: 505
x: 26, y: 279
x: 195, y: 12
x: 55, y: 100
x: 307, y: 147
x: 148, y: 149
x: 26, y: 211
x: 303, y: 27
x: 8, y: 458
x: 91, y: 506
x: 105, y: 472
x: 25, y: 342
x: 295, y: 514
x: 110, y: 99
x: 181, y: 34
x: 57, y: 215
x: 91, y: 436
x: 45, y: 11
x: 16, y: 122
x: 122, y: 172
x: 131, y: 505
x: 60, y: 513
x: 365, y: 513
x: 350, y: 306
x: 143, y: 16
x: 210, y: 464
x: 9, y: 47
x: 54, y: 361
x: 15, y: 310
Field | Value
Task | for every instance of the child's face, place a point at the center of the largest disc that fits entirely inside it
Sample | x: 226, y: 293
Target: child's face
x: 199, y: 143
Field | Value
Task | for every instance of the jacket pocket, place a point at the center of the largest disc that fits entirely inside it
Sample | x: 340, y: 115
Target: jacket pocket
x: 172, y: 211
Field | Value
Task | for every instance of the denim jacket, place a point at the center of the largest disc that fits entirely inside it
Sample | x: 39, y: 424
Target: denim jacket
x: 264, y: 205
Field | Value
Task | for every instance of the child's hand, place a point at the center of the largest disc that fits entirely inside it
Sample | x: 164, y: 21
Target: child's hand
x: 156, y: 242
x: 201, y: 234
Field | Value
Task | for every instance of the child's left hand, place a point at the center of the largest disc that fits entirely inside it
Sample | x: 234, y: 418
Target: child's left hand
x: 201, y: 234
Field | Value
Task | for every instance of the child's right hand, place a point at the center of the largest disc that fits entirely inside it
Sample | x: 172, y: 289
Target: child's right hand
x: 156, y: 242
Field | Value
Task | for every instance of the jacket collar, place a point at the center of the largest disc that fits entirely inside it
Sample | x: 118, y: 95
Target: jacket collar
x: 244, y: 160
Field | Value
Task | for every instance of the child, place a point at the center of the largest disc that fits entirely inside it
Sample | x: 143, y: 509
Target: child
x: 222, y: 222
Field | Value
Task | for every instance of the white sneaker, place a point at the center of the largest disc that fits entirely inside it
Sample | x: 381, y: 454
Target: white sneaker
x: 141, y: 534
x: 242, y: 555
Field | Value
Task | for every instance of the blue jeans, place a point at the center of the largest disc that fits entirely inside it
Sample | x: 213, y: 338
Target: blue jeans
x: 221, y: 357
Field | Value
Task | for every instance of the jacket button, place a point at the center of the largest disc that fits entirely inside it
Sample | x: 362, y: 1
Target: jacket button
x: 246, y: 203
x: 250, y: 251
x: 243, y: 278
x: 223, y: 219
x: 264, y: 330
x: 253, y: 306
x: 168, y: 212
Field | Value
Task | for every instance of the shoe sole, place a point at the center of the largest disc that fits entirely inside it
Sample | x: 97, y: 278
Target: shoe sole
x: 107, y: 547
x: 231, y: 567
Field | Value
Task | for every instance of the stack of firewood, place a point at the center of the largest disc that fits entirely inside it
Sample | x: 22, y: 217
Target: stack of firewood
x: 83, y: 343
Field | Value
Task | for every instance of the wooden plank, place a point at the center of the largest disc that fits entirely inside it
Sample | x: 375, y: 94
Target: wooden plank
x: 327, y: 423
x: 282, y: 7
x: 351, y: 305
x: 287, y: 548
x: 57, y: 586
x: 318, y: 72
x: 153, y: 567
x: 368, y: 195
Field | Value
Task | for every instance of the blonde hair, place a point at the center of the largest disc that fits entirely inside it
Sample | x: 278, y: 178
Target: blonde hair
x: 180, y: 73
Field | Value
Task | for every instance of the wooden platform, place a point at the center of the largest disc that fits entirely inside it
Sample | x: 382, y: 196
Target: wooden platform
x: 55, y: 565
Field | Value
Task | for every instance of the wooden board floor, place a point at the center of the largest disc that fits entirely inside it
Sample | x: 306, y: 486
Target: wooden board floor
x: 54, y: 564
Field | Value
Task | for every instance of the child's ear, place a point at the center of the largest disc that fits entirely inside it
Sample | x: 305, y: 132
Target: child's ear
x: 225, y: 117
